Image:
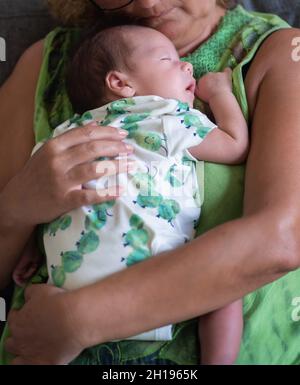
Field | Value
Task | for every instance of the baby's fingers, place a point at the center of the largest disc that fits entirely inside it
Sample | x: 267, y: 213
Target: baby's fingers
x: 228, y: 72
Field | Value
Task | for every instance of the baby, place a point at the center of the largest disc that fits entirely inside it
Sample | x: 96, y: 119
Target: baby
x: 137, y: 77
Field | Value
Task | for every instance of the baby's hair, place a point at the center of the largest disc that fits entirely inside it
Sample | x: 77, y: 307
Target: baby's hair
x: 104, y: 51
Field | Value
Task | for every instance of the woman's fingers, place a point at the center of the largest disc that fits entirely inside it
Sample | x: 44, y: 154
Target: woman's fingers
x: 88, y: 133
x: 92, y: 150
x: 46, y: 185
x: 88, y: 171
x: 86, y: 197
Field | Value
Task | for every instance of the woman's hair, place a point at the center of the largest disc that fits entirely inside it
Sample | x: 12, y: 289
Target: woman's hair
x: 83, y: 12
x: 104, y: 51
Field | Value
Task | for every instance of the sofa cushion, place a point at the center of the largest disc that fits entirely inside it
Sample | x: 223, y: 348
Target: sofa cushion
x: 21, y: 24
x: 287, y: 9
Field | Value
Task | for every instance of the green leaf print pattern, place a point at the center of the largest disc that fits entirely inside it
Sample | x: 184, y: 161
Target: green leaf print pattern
x: 80, y: 120
x: 109, y: 118
x: 130, y: 124
x: 137, y: 237
x: 168, y: 209
x: 120, y: 106
x: 151, y: 141
x: 135, y: 118
x: 71, y: 261
x: 116, y: 109
x: 194, y: 121
x: 97, y: 215
x: 144, y: 181
x: 187, y: 161
x: 149, y: 198
x: 150, y: 201
x: 88, y: 243
x: 58, y: 275
x: 61, y: 223
x: 182, y: 108
x: 171, y: 178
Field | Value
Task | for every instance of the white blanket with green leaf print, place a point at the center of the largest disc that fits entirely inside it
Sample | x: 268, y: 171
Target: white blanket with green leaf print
x: 158, y: 210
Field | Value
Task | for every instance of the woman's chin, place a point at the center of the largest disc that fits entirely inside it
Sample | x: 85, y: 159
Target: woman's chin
x: 170, y: 29
x: 168, y: 24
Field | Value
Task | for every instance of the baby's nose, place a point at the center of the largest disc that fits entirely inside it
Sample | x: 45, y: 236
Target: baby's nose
x: 187, y: 67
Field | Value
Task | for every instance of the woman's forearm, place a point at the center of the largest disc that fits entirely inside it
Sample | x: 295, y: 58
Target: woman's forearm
x: 210, y: 272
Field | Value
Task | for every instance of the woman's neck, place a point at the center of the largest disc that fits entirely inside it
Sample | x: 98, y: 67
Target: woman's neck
x: 207, y: 27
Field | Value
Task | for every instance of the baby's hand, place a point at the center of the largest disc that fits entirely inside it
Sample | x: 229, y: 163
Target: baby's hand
x: 28, y: 264
x: 214, y: 83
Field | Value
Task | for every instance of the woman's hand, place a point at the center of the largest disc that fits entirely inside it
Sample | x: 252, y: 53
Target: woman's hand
x: 43, y: 337
x: 50, y: 183
x: 214, y: 83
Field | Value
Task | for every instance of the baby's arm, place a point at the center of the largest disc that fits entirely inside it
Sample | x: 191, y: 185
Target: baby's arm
x: 229, y: 142
x: 220, y: 334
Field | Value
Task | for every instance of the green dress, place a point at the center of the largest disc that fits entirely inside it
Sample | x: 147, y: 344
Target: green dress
x: 271, y: 326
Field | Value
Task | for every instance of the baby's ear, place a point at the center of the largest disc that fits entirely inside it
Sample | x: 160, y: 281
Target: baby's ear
x: 119, y: 84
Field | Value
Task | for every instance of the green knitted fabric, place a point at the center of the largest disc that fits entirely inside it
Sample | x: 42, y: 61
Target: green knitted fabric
x: 270, y: 335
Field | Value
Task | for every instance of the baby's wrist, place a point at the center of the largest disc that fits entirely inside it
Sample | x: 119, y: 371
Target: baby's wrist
x: 218, y: 94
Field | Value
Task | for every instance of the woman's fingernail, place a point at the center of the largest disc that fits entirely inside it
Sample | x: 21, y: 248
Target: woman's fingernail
x: 123, y: 132
x: 129, y: 147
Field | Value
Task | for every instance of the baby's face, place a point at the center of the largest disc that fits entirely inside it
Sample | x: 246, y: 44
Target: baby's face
x: 158, y: 69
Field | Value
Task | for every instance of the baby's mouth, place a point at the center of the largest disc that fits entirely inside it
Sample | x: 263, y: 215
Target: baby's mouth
x: 191, y: 87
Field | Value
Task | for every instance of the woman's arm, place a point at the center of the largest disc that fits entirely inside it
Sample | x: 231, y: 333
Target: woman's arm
x: 213, y: 270
x: 16, y: 142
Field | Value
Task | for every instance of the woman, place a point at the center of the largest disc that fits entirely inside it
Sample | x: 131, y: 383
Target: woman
x: 220, y: 266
